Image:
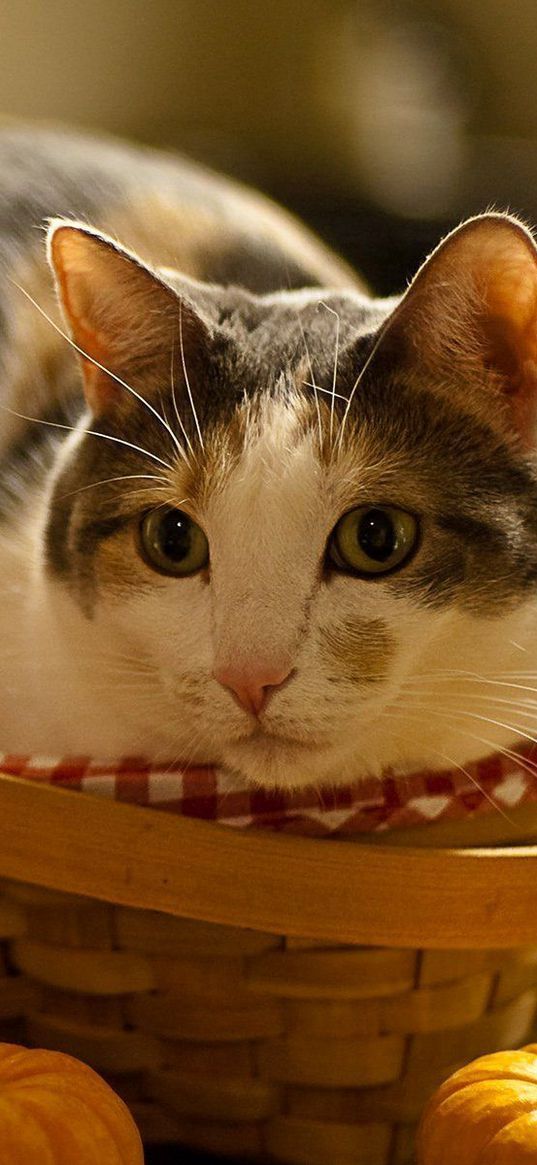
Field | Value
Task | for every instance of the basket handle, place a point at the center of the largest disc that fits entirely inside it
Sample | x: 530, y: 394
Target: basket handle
x: 322, y: 889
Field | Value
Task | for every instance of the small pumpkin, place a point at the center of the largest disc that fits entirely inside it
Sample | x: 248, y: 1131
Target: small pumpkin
x: 485, y: 1114
x: 55, y: 1110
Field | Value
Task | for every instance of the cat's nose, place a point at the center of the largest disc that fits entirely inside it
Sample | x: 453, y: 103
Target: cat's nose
x: 252, y: 686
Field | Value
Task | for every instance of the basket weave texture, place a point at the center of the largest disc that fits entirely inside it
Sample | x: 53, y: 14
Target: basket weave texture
x: 248, y: 1043
x: 167, y: 953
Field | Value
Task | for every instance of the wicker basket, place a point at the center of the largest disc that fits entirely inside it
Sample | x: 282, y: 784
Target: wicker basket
x: 258, y: 995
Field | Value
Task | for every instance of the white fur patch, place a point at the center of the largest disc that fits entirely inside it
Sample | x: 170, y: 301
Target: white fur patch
x: 138, y: 677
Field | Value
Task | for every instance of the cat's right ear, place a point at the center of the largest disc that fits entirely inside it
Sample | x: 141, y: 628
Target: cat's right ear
x: 130, y: 328
x: 469, y: 320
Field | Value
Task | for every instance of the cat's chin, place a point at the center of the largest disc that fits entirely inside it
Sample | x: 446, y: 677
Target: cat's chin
x: 274, y: 762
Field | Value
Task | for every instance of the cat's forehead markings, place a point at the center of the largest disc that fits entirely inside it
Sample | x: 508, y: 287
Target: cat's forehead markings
x: 275, y: 438
x: 262, y: 439
x: 282, y: 442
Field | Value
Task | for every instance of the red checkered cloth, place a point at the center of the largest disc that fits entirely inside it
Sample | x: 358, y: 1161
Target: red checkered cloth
x: 369, y: 805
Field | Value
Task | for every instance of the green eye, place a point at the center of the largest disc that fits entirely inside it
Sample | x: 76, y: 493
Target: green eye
x: 172, y: 543
x: 373, y: 540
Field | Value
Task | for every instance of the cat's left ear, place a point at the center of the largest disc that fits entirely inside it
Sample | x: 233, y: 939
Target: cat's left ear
x: 126, y: 322
x: 470, y: 316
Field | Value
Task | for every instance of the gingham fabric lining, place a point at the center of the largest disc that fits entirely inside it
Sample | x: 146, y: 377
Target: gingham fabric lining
x: 369, y: 805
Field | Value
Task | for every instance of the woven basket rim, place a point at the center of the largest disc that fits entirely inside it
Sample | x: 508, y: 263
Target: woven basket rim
x: 317, y: 888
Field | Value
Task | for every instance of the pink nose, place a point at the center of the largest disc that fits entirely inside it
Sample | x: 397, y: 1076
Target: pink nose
x: 252, y: 686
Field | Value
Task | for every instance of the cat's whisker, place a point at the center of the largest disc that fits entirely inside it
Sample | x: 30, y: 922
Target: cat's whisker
x: 528, y: 715
x: 187, y: 381
x: 523, y: 762
x: 515, y: 728
x: 383, y: 332
x: 518, y: 674
x: 455, y: 765
x: 469, y: 677
x: 336, y: 362
x: 65, y: 336
x: 312, y: 383
x: 320, y: 798
x: 142, y: 492
x: 125, y: 657
x: 127, y: 667
x: 329, y: 392
x: 520, y: 702
x: 186, y: 757
x: 165, y: 417
x: 510, y: 754
x: 88, y: 433
x: 174, y: 400
x: 110, y: 480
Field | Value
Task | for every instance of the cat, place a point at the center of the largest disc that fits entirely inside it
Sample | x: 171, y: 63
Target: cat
x: 251, y: 514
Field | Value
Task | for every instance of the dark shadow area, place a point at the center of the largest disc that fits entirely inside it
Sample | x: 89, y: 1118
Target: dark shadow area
x: 179, y: 1155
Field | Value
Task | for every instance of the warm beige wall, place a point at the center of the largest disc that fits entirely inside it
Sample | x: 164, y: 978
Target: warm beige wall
x: 251, y: 83
x: 193, y: 71
x: 506, y: 33
x: 112, y: 63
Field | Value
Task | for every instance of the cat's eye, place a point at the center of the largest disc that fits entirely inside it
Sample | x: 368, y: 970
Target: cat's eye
x: 373, y: 540
x: 172, y: 543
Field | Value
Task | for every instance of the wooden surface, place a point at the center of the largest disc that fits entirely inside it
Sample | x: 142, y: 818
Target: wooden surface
x: 316, y: 888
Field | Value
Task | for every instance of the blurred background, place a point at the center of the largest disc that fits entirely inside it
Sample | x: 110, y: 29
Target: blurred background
x: 381, y: 122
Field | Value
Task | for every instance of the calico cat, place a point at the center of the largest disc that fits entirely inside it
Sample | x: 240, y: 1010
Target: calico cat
x: 251, y: 515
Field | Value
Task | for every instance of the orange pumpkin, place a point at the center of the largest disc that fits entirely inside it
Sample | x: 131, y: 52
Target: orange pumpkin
x: 485, y: 1114
x: 56, y: 1111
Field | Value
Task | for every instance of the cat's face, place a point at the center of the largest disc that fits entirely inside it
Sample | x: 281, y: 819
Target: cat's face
x: 281, y: 572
